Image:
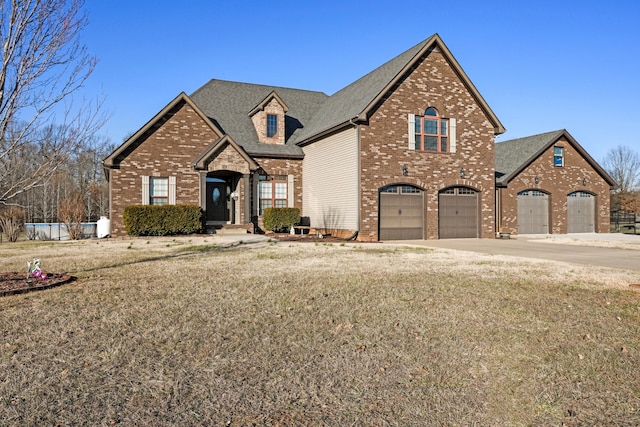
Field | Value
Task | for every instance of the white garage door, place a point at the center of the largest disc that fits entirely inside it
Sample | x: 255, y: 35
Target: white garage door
x: 533, y: 212
x: 581, y: 212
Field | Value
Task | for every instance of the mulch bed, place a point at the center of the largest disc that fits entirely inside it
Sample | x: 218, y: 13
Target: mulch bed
x: 16, y: 283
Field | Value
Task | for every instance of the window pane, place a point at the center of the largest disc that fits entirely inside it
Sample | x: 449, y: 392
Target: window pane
x: 390, y: 189
x: 272, y: 125
x: 431, y: 143
x: 418, y: 142
x: 281, y: 204
x: 418, y: 124
x: 443, y: 144
x: 443, y: 126
x: 265, y: 204
x: 557, y: 151
x: 431, y: 127
x: 281, y: 190
x: 158, y: 187
x: 265, y: 190
x: 431, y: 112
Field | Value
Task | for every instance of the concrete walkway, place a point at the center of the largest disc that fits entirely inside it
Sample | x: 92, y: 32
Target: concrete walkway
x: 534, y: 247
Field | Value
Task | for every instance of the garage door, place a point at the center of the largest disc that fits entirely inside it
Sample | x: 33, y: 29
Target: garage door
x: 533, y: 212
x: 458, y: 213
x: 401, y: 213
x: 581, y: 212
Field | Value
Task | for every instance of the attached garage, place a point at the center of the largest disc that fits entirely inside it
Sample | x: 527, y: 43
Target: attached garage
x: 458, y: 213
x: 533, y: 212
x: 401, y: 213
x: 581, y: 212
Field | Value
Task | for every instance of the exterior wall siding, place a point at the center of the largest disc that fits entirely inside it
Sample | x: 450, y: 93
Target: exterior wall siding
x: 169, y: 151
x: 384, y: 147
x: 330, y: 176
x: 558, y: 182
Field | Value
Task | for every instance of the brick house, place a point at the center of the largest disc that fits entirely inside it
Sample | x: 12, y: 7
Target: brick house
x: 548, y: 183
x: 405, y: 152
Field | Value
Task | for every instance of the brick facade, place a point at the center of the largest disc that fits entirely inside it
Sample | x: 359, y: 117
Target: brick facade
x: 557, y: 182
x: 286, y: 167
x: 168, y: 151
x: 384, y: 146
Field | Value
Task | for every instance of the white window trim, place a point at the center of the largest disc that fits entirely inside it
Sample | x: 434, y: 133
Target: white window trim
x: 172, y: 190
x: 145, y: 190
x: 290, y: 191
x: 146, y: 196
x: 412, y: 131
x: 452, y: 135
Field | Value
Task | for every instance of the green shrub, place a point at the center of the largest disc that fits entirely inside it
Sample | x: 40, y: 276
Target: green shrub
x: 279, y: 219
x: 166, y: 220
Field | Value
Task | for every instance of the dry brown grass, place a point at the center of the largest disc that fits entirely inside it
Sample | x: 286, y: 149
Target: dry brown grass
x: 183, y: 332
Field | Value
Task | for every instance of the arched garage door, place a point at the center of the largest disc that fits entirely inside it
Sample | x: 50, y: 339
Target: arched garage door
x: 533, y: 212
x: 458, y: 213
x: 581, y: 212
x: 401, y: 213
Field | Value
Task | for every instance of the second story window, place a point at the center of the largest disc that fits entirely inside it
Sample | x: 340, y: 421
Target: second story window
x: 272, y: 125
x: 558, y: 156
x: 432, y: 132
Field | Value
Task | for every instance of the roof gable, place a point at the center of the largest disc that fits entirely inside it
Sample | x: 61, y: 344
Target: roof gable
x: 229, y: 105
x: 356, y: 101
x: 114, y: 159
x: 261, y: 106
x: 514, y: 156
x: 205, y: 158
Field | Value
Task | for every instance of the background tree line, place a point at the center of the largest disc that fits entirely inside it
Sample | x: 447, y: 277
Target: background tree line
x: 623, y: 164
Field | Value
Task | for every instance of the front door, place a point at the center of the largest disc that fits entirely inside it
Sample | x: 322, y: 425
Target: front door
x: 217, y: 206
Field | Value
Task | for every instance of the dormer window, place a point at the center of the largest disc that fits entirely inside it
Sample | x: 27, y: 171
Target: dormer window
x: 272, y: 125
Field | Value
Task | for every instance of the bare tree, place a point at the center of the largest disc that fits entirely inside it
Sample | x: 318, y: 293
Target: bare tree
x: 623, y: 164
x: 42, y: 64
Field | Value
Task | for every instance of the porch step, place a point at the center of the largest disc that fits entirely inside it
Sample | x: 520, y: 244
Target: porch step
x: 234, y: 229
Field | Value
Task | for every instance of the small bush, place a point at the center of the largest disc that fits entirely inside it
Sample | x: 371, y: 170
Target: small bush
x: 279, y: 219
x: 11, y: 222
x: 164, y: 220
x: 71, y: 213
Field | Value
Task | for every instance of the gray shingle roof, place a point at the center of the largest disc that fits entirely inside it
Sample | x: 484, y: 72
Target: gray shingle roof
x: 351, y: 101
x: 228, y: 104
x: 311, y: 113
x: 512, y: 155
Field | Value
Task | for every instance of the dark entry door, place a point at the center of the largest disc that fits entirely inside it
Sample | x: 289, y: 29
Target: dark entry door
x: 217, y: 209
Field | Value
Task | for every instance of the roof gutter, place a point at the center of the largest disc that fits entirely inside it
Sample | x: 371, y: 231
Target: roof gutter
x: 313, y: 138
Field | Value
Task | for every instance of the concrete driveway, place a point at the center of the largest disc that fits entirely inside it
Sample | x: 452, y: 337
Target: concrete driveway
x: 555, y: 249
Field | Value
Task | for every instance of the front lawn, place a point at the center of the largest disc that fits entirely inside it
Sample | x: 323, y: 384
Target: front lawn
x: 170, y: 332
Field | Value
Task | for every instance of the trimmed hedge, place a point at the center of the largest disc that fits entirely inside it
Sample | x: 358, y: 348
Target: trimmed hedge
x: 165, y: 220
x: 278, y: 219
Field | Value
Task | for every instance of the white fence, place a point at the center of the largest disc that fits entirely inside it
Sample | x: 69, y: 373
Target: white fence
x: 56, y: 230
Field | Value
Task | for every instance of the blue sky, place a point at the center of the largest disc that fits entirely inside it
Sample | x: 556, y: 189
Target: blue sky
x: 541, y: 66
